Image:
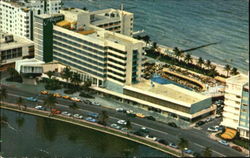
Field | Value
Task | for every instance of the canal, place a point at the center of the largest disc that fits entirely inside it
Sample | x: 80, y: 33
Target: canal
x: 25, y: 135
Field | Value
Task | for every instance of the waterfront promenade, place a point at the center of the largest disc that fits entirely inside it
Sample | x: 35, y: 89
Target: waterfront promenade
x: 97, y: 127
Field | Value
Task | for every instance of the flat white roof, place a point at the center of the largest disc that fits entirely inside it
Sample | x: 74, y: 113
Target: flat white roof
x: 18, y: 42
x: 239, y: 79
x: 168, y: 92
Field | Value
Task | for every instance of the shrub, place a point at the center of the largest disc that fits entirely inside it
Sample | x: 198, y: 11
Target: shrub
x: 82, y: 94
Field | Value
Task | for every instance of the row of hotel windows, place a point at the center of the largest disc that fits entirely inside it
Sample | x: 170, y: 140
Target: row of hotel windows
x: 80, y: 57
x: 77, y: 66
x: 78, y: 45
x: 79, y: 40
x: 89, y: 43
x: 116, y: 73
x: 79, y: 51
x: 117, y: 79
x: 117, y: 56
x: 10, y: 54
x: 76, y: 60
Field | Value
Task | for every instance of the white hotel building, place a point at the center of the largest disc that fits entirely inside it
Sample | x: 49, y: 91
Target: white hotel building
x: 16, y: 17
x: 236, y: 109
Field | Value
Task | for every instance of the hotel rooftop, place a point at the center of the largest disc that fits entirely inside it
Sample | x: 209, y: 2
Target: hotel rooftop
x: 168, y: 92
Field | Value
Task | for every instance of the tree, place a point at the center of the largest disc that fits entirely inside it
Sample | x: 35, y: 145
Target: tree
x: 128, y: 125
x: 50, y: 74
x: 76, y: 79
x: 155, y: 45
x: 103, y: 117
x: 146, y: 38
x: 50, y: 101
x: 200, y: 62
x: 208, y: 64
x: 227, y: 68
x: 12, y: 72
x: 207, y: 152
x: 73, y: 106
x: 87, y: 84
x: 234, y: 71
x: 3, y: 94
x: 67, y: 73
x: 177, y: 52
x: 188, y: 58
x: 183, y: 143
x: 20, y: 102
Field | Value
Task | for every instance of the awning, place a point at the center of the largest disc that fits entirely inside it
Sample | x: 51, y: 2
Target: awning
x: 229, y: 134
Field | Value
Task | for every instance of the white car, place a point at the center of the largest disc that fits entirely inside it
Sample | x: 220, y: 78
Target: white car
x: 212, y: 129
x: 130, y: 111
x: 122, y: 122
x: 96, y: 103
x: 114, y: 125
x: 78, y: 116
x: 151, y: 137
x: 38, y: 107
x: 119, y: 109
x: 65, y: 113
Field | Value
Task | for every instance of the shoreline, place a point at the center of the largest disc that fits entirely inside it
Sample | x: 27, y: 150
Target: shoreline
x: 219, y: 67
x: 96, y: 127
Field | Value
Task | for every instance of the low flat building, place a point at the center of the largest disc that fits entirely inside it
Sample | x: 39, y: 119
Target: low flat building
x: 14, y: 48
x: 28, y: 67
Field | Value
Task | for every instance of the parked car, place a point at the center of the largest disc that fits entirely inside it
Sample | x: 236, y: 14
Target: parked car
x: 33, y: 99
x: 131, y: 115
x: 150, y: 118
x: 188, y: 151
x: 55, y: 111
x: 90, y: 119
x: 92, y: 114
x: 88, y: 102
x: 122, y: 122
x: 114, y: 125
x: 96, y: 103
x: 212, y: 129
x: 151, y: 137
x: 44, y: 92
x: 57, y: 95
x: 75, y: 99
x: 237, y: 148
x: 78, y: 116
x: 120, y: 110
x: 199, y: 123
x: 173, y: 145
x: 138, y: 133
x: 172, y: 124
x: 162, y: 141
x: 209, y: 119
x: 144, y: 130
x: 224, y: 142
x: 219, y: 127
x: 66, y: 113
x: 124, y: 129
x: 140, y: 115
x: 39, y: 107
x: 129, y: 111
x: 66, y: 97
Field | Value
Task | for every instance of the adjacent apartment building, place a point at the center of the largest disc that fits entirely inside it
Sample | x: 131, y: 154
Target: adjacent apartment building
x: 14, y: 48
x: 236, y: 109
x: 16, y: 17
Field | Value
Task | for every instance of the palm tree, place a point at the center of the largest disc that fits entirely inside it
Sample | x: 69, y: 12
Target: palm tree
x: 50, y: 74
x: 20, y: 102
x: 200, y: 62
x: 128, y: 126
x: 207, y: 152
x: 155, y: 45
x: 177, y: 52
x: 67, y: 73
x: 76, y: 79
x: 188, y: 58
x: 73, y: 106
x: 208, y: 64
x: 183, y: 143
x: 227, y: 68
x: 103, y: 118
x: 234, y: 71
x: 50, y: 101
x: 3, y: 94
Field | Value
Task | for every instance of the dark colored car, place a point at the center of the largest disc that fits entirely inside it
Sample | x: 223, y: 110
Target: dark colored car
x: 199, y: 123
x: 131, y: 115
x: 92, y: 114
x: 172, y: 124
x: 150, y: 118
x: 162, y: 141
x: 237, y: 148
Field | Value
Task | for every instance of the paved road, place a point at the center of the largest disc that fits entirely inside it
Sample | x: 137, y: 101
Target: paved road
x: 198, y: 139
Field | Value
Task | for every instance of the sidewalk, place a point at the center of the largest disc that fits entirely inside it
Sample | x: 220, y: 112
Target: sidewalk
x: 213, y: 136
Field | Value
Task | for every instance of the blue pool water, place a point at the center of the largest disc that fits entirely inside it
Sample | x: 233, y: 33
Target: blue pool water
x: 161, y: 80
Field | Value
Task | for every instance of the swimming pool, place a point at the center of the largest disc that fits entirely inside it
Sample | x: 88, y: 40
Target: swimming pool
x: 161, y: 80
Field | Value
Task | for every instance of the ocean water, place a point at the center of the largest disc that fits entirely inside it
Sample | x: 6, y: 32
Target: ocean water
x: 190, y: 23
